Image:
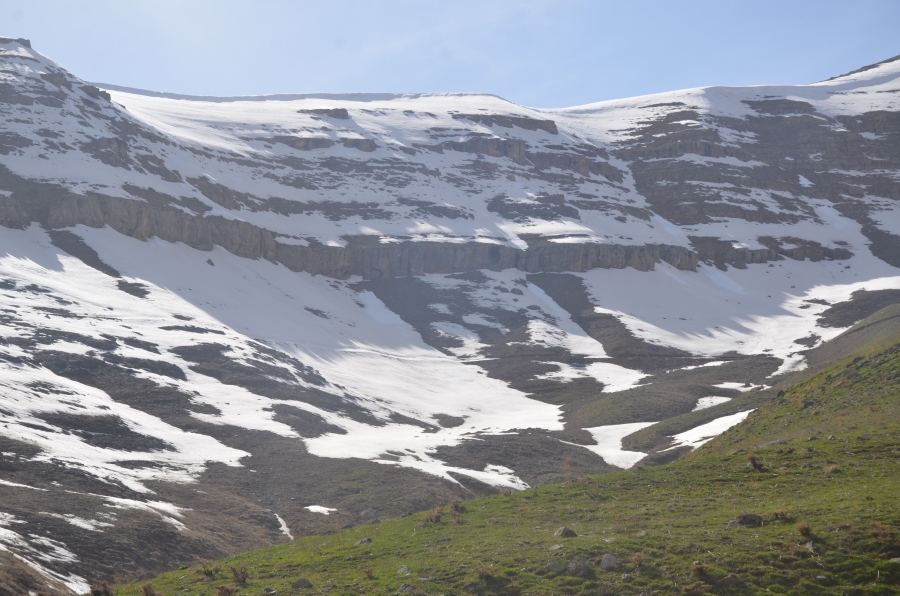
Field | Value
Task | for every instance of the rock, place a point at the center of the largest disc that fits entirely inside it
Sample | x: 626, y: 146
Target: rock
x: 444, y: 539
x: 368, y: 514
x: 831, y: 437
x: 733, y: 524
x: 730, y: 581
x: 626, y: 578
x: 810, y: 547
x: 609, y: 562
x: 403, y: 570
x: 556, y: 547
x: 269, y: 591
x: 775, y: 442
x: 805, y: 465
x: 405, y: 589
x: 363, y: 541
x: 565, y: 532
x: 864, y: 437
x: 749, y: 520
x: 555, y: 567
x: 579, y: 569
x: 301, y: 583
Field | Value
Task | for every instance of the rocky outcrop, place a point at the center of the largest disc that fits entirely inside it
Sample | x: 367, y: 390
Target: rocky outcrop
x: 55, y: 207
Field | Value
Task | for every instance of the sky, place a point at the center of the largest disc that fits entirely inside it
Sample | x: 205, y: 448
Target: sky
x: 537, y: 53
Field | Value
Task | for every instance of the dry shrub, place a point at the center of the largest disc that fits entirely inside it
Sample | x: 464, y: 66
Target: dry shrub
x: 637, y: 559
x: 437, y: 515
x: 149, y: 590
x: 804, y: 529
x: 883, y: 533
x: 754, y: 461
x: 227, y: 590
x: 699, y: 569
x: 102, y: 589
x: 483, y: 571
x: 239, y: 574
x: 696, y: 589
x: 369, y: 573
x: 210, y: 573
x: 782, y: 515
x: 506, y: 492
x: 458, y: 506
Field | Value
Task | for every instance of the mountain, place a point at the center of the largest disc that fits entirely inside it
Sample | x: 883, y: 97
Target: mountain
x: 228, y: 322
x: 816, y: 512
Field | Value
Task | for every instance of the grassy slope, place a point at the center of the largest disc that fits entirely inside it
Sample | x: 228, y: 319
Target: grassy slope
x: 847, y: 489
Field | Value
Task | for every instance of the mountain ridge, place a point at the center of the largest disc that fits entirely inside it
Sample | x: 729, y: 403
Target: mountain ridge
x: 260, y: 319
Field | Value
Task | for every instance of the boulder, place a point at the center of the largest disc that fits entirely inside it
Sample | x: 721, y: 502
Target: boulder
x: 609, y: 562
x: 565, y: 532
x: 301, y: 583
x: 729, y: 581
x: 403, y: 570
x: 749, y: 520
x: 555, y: 567
x: 579, y: 569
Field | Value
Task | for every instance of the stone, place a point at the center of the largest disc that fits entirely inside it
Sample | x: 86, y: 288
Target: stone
x: 609, y: 562
x: 555, y: 567
x: 565, y: 532
x: 405, y: 589
x: 864, y: 437
x: 269, y: 591
x: 301, y: 583
x: 749, y: 520
x: 831, y: 437
x: 775, y: 442
x: 626, y: 578
x: 444, y: 539
x: 556, y: 547
x: 403, y: 570
x: 730, y: 581
x: 363, y: 541
x: 368, y: 514
x: 733, y: 524
x: 810, y: 547
x: 579, y: 569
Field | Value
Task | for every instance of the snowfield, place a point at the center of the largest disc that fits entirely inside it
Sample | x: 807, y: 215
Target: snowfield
x: 267, y: 314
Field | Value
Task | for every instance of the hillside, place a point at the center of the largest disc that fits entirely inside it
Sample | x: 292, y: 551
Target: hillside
x: 226, y: 322
x: 825, y: 493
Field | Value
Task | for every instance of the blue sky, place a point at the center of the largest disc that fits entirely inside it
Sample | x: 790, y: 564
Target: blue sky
x: 533, y: 52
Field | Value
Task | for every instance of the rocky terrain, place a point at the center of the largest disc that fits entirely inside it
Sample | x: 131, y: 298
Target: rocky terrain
x: 227, y: 322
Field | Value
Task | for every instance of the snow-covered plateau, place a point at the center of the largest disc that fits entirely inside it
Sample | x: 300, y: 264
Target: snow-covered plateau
x: 228, y: 321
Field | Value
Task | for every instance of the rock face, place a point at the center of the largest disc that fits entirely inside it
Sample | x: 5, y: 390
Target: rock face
x: 296, y: 314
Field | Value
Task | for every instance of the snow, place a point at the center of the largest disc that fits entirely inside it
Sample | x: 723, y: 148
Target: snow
x: 708, y: 402
x: 368, y: 355
x: 284, y: 527
x: 320, y: 509
x: 706, y: 432
x: 609, y: 443
x: 742, y: 387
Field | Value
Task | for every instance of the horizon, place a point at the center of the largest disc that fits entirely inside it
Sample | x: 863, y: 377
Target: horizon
x: 536, y: 54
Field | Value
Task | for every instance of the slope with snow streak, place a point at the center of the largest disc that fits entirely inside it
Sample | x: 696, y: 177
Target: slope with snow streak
x: 495, y: 280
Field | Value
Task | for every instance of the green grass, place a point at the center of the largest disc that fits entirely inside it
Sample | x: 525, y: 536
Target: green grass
x: 847, y: 489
